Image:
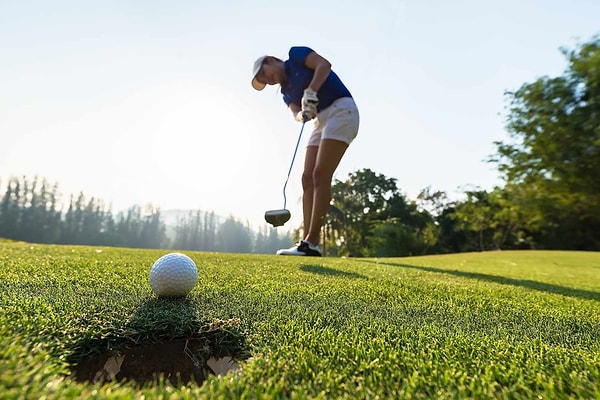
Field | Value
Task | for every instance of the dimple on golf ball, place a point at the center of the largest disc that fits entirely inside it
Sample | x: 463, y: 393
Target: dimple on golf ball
x: 173, y: 275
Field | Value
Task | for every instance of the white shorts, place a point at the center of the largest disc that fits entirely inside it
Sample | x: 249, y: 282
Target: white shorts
x: 339, y: 121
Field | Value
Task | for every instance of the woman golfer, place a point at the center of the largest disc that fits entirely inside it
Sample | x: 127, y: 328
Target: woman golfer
x: 312, y: 90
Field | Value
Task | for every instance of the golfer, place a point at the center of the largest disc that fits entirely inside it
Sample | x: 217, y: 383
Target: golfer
x: 312, y: 91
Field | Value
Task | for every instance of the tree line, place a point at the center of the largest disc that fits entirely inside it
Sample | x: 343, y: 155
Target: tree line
x: 31, y: 210
x: 550, y: 199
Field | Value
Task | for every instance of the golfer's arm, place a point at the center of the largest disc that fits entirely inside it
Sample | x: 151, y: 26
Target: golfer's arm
x: 322, y: 68
x: 295, y: 109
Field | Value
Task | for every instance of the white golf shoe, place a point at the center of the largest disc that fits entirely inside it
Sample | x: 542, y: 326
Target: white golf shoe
x: 302, y: 248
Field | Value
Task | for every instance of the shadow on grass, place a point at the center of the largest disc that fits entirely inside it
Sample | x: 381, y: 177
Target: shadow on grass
x: 321, y: 270
x: 534, y: 285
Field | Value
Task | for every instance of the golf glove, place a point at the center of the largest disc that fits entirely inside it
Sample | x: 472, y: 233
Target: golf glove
x: 309, y: 99
x: 309, y: 105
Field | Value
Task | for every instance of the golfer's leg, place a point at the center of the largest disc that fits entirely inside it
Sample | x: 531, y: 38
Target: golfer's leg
x: 328, y: 157
x: 307, y: 186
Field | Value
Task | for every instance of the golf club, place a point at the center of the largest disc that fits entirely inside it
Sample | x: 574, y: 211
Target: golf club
x: 280, y: 217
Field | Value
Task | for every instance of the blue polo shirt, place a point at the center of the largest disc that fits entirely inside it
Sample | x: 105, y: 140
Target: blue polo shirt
x: 299, y: 77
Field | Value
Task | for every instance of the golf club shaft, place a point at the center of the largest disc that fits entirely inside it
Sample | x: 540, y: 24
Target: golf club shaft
x: 291, y: 165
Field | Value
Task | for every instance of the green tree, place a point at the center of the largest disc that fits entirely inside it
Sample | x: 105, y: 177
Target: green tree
x: 92, y: 221
x: 10, y: 213
x: 474, y: 216
x: 28, y: 211
x: 361, y: 199
x: 189, y: 232
x: 153, y: 230
x: 268, y: 240
x: 129, y: 226
x: 369, y: 216
x: 73, y: 221
x: 552, y: 163
x: 450, y: 238
x: 209, y: 232
x: 233, y: 237
x: 53, y: 214
x: 41, y: 219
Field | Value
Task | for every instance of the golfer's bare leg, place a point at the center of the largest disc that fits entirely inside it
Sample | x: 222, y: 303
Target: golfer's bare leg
x: 307, y: 186
x: 328, y: 157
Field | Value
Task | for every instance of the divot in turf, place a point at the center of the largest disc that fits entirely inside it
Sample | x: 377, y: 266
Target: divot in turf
x: 210, y: 349
x: 178, y: 361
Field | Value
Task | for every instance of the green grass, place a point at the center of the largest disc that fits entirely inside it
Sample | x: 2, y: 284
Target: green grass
x: 480, y: 325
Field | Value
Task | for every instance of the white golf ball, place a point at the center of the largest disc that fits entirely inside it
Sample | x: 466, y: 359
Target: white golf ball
x: 173, y: 275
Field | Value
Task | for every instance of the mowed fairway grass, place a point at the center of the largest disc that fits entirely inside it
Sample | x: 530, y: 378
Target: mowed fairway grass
x: 522, y: 324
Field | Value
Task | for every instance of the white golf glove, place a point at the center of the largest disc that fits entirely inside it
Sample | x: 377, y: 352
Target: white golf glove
x: 309, y: 104
x: 309, y: 99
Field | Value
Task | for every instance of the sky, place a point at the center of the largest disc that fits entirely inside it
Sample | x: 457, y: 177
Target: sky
x: 149, y: 102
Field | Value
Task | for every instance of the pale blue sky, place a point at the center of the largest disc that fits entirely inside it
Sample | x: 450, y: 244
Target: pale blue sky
x: 139, y: 102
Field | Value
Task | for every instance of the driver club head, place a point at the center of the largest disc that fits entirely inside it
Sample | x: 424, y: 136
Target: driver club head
x: 277, y: 217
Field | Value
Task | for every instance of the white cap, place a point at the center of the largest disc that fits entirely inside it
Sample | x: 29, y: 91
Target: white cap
x: 257, y: 66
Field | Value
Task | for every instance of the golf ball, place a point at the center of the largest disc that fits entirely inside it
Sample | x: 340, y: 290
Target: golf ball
x: 173, y: 275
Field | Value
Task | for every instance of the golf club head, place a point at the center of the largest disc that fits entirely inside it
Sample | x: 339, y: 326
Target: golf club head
x: 277, y: 217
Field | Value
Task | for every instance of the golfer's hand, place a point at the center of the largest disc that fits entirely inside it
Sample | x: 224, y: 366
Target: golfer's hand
x: 305, y: 116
